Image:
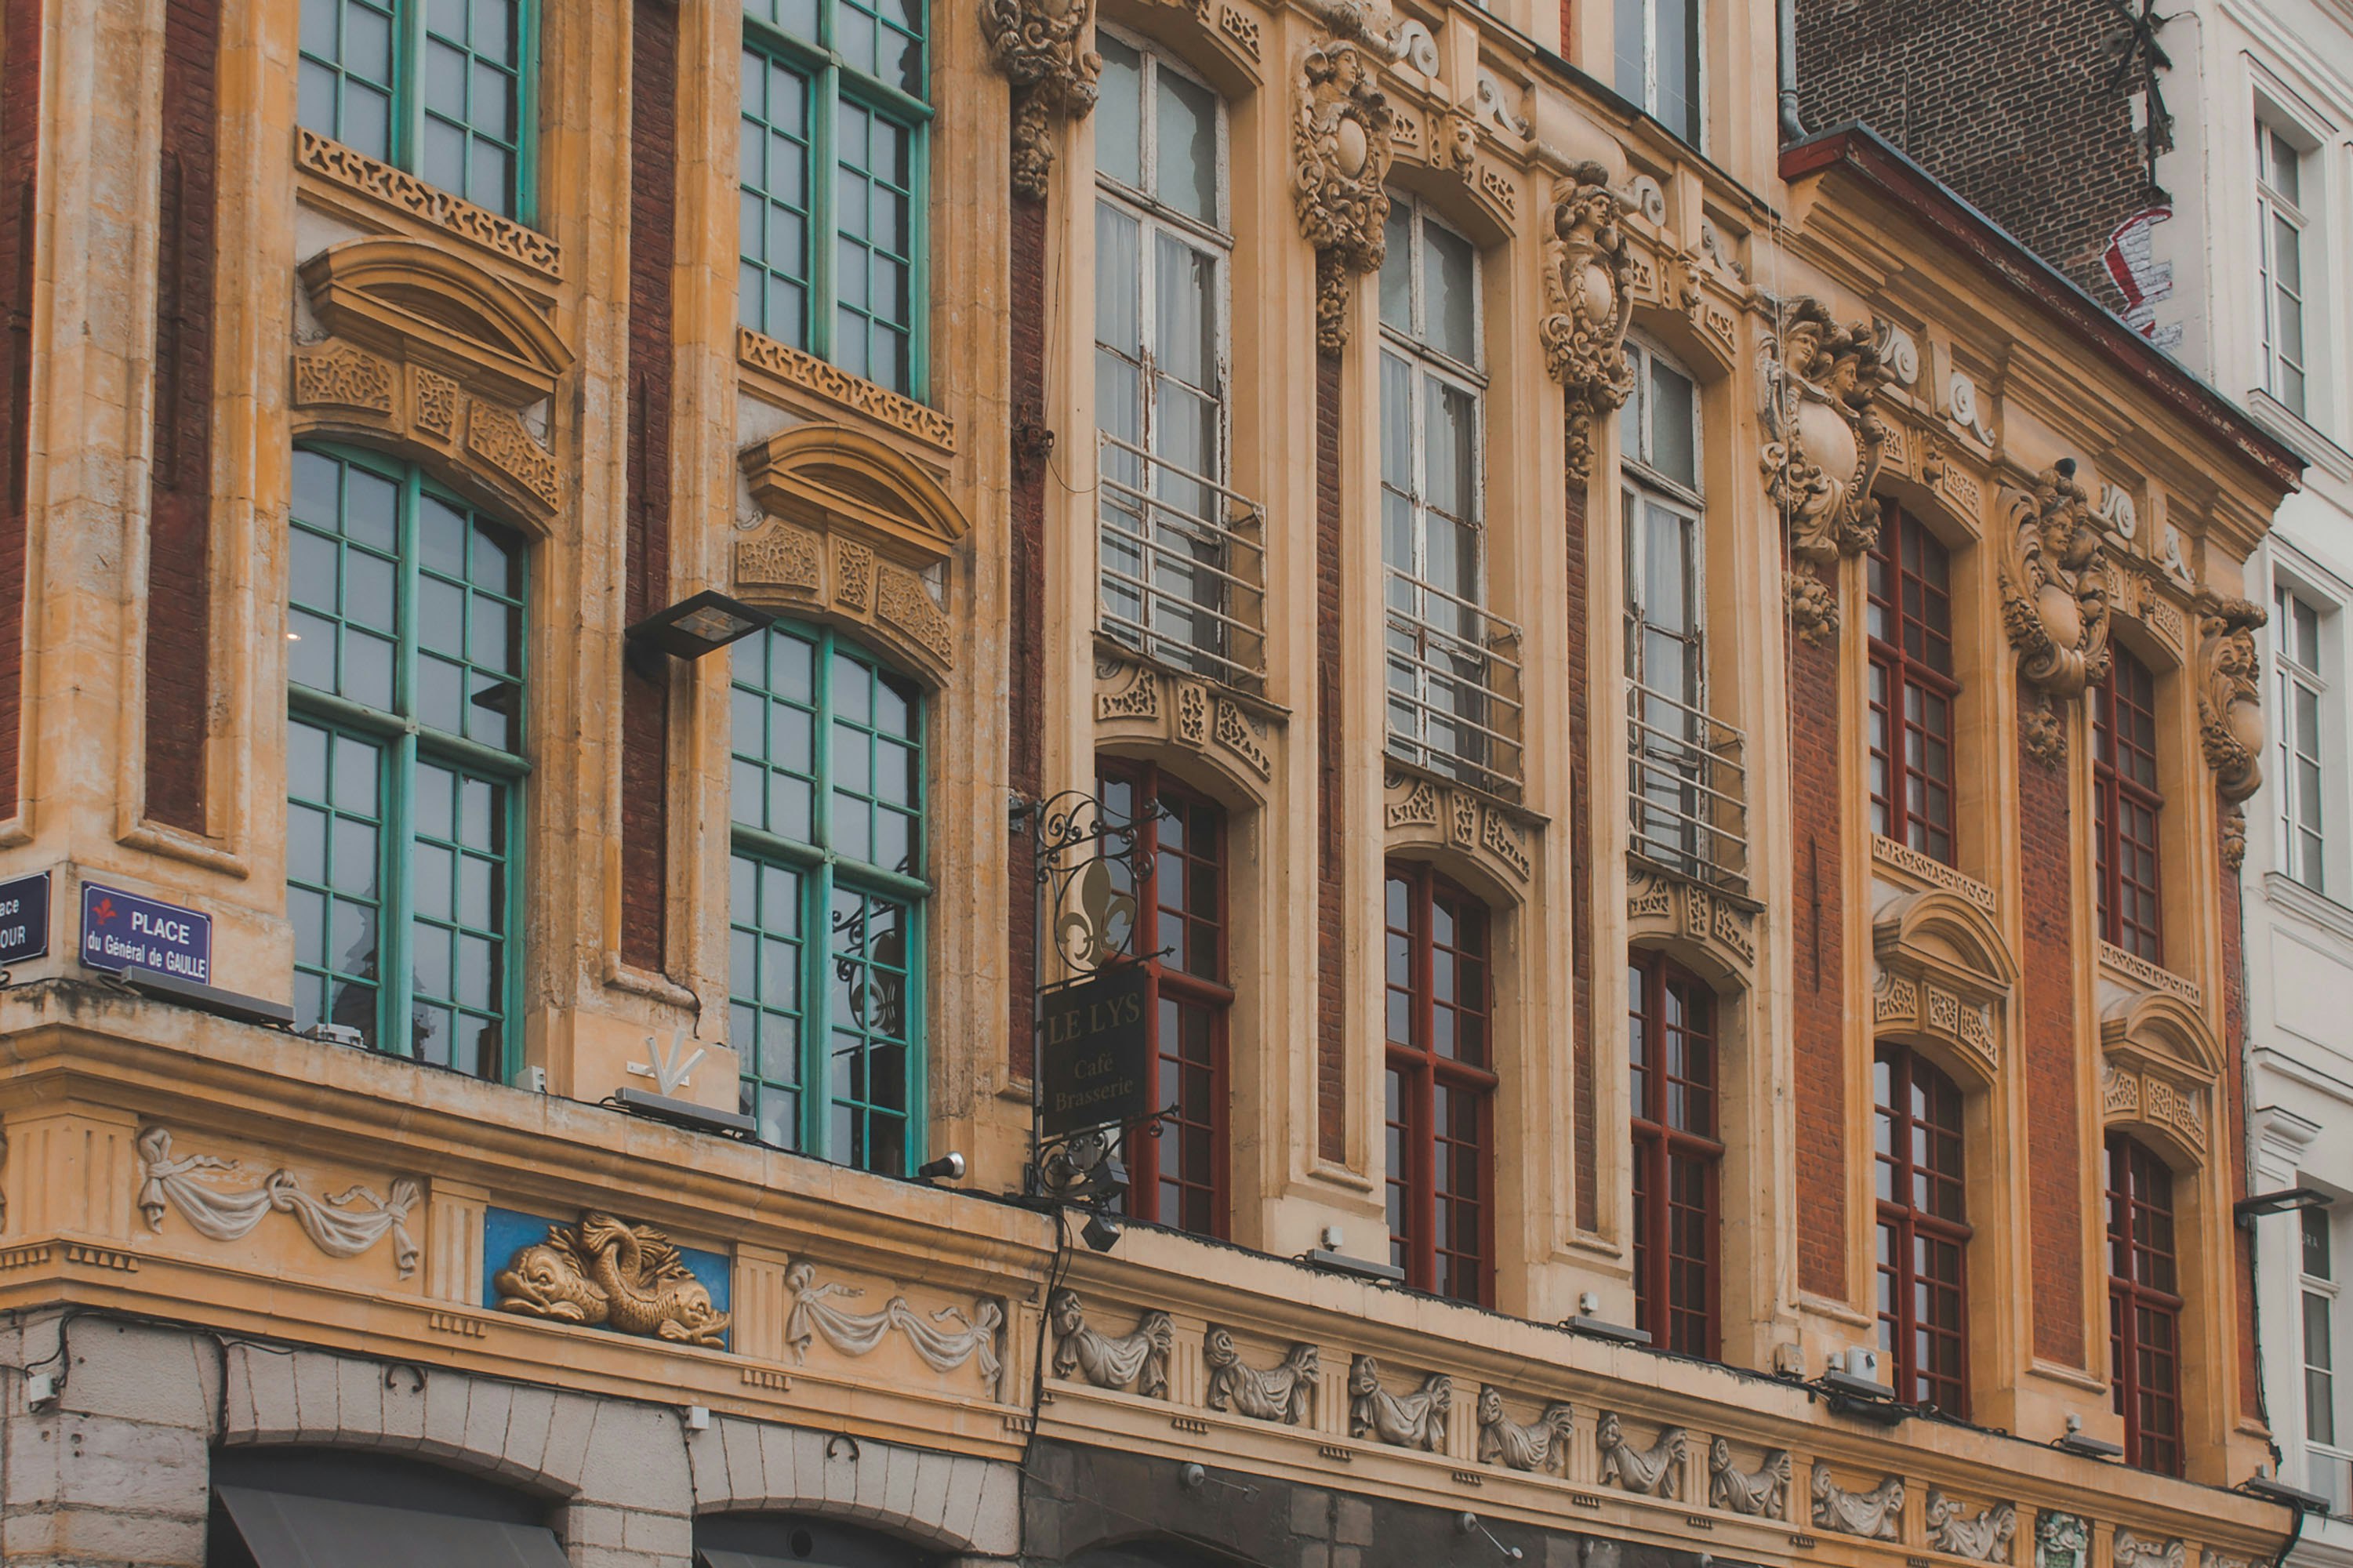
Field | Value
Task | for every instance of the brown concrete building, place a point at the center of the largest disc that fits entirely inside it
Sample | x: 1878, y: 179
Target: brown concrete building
x: 1649, y: 723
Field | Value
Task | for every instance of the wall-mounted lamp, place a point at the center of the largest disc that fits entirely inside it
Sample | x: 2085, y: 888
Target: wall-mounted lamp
x: 2078, y: 1441
x: 692, y: 627
x: 2246, y: 1210
x: 948, y: 1167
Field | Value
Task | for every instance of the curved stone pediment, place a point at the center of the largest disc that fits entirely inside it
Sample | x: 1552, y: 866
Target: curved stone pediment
x: 859, y: 484
x: 424, y: 305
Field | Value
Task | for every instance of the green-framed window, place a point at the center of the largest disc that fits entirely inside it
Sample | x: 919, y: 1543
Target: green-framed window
x: 827, y: 898
x: 405, y: 650
x: 833, y: 175
x: 440, y: 87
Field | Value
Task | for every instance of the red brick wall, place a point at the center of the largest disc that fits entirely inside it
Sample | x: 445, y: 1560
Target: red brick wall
x: 1026, y: 632
x: 20, y: 110
x: 2234, y: 1132
x: 645, y: 697
x: 1978, y: 92
x: 1583, y: 1117
x: 1819, y: 958
x: 2047, y: 1022
x: 179, y: 529
x: 1331, y: 902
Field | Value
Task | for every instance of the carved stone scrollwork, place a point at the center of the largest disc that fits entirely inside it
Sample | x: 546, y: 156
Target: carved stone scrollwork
x: 2057, y: 583
x: 1820, y: 383
x: 1340, y: 153
x: 1416, y: 1420
x: 1876, y: 1515
x: 1541, y: 1445
x: 1761, y: 1493
x: 1654, y: 1471
x: 1041, y: 46
x: 2060, y: 1540
x: 1587, y: 303
x: 1280, y: 1393
x: 609, y: 1274
x: 2229, y: 709
x: 1981, y: 1538
x: 1138, y: 1360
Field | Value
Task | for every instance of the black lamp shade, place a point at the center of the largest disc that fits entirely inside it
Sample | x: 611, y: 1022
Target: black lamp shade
x: 698, y: 626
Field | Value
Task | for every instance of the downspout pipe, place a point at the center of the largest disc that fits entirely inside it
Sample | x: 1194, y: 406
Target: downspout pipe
x: 1792, y: 128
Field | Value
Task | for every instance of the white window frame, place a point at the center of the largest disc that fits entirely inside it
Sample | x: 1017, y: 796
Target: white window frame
x: 1649, y: 103
x: 1424, y: 359
x: 2298, y: 815
x: 2328, y: 1290
x: 2273, y: 208
x: 1641, y: 483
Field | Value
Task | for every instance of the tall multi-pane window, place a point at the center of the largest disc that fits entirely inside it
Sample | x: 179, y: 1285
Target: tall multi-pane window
x: 2280, y: 224
x: 1671, y: 1049
x: 2297, y: 628
x: 827, y: 898
x: 1924, y: 1233
x: 441, y: 89
x: 1440, y: 641
x: 1161, y: 261
x: 1176, y: 875
x: 1440, y: 1085
x: 2126, y: 805
x: 1658, y: 54
x: 2144, y: 1305
x: 405, y: 767
x: 1663, y: 510
x: 2319, y: 1266
x: 832, y: 160
x: 1912, y: 688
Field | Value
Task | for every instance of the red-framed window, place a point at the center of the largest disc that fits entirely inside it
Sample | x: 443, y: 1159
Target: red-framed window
x: 1678, y: 1159
x: 2144, y: 1305
x: 1442, y: 1085
x: 1924, y: 1233
x: 1179, y: 1177
x: 1913, y: 689
x: 2126, y: 805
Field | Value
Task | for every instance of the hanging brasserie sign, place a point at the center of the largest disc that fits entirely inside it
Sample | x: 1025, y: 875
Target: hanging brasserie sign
x: 1094, y: 1053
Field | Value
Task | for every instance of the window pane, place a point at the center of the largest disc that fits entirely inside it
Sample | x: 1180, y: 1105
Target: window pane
x: 1119, y: 113
x: 1450, y: 276
x: 1397, y: 266
x: 1187, y: 150
x: 1633, y: 50
x: 1674, y: 440
x: 1678, y: 107
x: 774, y: 222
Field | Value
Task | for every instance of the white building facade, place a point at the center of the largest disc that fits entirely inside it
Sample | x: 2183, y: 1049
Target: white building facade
x: 2249, y: 279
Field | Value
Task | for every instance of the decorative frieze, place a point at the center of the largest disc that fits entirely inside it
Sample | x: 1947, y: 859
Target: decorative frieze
x: 1421, y: 810
x: 944, y: 1339
x: 1124, y: 690
x: 1654, y: 1471
x: 1902, y: 856
x: 1414, y: 1420
x: 1982, y: 1537
x: 607, y: 1273
x: 2131, y: 1551
x: 1761, y: 1493
x: 901, y: 600
x: 342, y: 1225
x: 2151, y: 976
x: 1189, y: 712
x: 499, y: 438
x: 1281, y: 1393
x: 838, y: 387
x: 1340, y: 153
x: 1137, y: 1361
x: 341, y: 376
x: 2061, y: 1541
x: 1876, y: 1515
x: 2057, y: 583
x: 2133, y: 1093
x: 381, y: 182
x: 1687, y: 910
x: 1587, y: 304
x: 1540, y: 1446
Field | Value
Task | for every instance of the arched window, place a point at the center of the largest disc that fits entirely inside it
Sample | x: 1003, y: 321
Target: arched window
x: 1440, y: 1085
x: 441, y: 90
x: 2127, y: 804
x: 1451, y: 683
x: 757, y: 1541
x: 827, y: 896
x: 832, y: 164
x: 1912, y: 688
x: 276, y: 1505
x: 1924, y: 1232
x: 2144, y: 1305
x: 1671, y: 1050
x: 1171, y: 528
x: 405, y: 632
x: 1178, y: 1178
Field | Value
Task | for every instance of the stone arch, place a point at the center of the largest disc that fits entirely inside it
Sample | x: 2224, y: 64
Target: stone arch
x: 2160, y: 1026
x: 1711, y: 933
x: 425, y: 305
x: 1220, y: 743
x: 857, y: 533
x: 1945, y: 974
x: 1477, y: 841
x: 2158, y: 1066
x: 945, y: 1501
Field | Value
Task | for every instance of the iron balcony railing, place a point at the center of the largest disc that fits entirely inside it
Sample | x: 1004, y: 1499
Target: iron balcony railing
x: 1184, y: 567
x: 1453, y: 686
x: 1687, y: 784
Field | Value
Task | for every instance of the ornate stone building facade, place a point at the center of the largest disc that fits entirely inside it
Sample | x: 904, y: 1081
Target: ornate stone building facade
x: 1673, y: 708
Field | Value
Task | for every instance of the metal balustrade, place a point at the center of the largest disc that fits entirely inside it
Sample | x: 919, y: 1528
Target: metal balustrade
x: 1453, y: 686
x: 1687, y: 788
x: 1184, y: 567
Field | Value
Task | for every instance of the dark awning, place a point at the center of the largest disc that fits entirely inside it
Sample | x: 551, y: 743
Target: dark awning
x: 286, y: 1530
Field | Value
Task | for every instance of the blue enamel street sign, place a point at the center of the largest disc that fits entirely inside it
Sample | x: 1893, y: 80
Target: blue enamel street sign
x: 122, y: 930
x: 23, y: 918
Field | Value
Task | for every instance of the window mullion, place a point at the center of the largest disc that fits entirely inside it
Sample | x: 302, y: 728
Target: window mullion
x: 396, y: 1033
x: 817, y: 1014
x: 824, y: 176
x: 407, y: 101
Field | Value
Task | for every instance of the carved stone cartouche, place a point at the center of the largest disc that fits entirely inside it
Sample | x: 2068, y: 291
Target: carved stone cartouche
x: 1340, y: 155
x: 1137, y: 1361
x: 1278, y: 1392
x: 1587, y: 304
x: 2057, y: 583
x: 1543, y: 1444
x: 1041, y: 46
x: 1819, y: 383
x: 1416, y: 1420
x: 1654, y: 1471
x: 607, y: 1273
